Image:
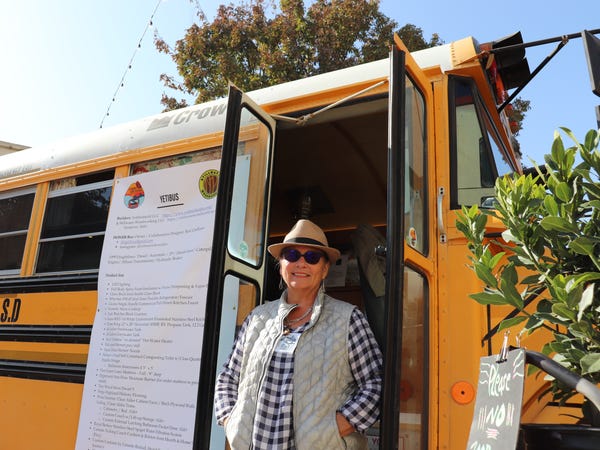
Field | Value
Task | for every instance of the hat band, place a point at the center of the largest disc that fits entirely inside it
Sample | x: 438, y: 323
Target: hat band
x: 301, y: 240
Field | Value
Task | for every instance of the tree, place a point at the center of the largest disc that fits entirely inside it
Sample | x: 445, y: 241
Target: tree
x: 412, y: 36
x: 517, y: 114
x: 253, y: 49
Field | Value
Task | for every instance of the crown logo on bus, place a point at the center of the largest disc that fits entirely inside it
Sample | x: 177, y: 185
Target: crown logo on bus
x: 159, y: 123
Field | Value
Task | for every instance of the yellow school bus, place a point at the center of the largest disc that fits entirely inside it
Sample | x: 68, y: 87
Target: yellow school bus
x: 381, y: 156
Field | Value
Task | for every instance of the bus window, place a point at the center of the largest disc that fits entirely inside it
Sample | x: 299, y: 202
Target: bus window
x: 74, y: 223
x: 416, y: 187
x: 209, y: 154
x: 413, y: 382
x: 500, y: 161
x: 477, y: 157
x: 15, y: 212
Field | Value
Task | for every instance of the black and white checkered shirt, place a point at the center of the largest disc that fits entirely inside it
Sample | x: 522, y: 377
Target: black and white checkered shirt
x: 273, y: 422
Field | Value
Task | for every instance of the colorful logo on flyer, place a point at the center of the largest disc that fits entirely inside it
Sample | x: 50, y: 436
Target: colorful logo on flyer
x: 209, y: 183
x: 134, y: 197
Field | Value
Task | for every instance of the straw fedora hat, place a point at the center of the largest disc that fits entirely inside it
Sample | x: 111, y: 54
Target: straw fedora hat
x: 307, y: 234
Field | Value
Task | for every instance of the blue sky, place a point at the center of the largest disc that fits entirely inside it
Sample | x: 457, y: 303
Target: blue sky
x: 63, y: 61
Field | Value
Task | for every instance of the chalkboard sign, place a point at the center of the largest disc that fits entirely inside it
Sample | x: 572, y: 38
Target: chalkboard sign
x: 497, y: 412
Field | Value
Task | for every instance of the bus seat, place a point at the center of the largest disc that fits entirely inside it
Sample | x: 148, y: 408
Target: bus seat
x: 371, y: 269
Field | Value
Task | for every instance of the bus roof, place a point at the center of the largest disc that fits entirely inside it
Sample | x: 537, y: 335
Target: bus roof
x: 197, y: 119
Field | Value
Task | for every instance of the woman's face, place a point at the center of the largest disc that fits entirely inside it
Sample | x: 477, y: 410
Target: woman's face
x: 300, y: 275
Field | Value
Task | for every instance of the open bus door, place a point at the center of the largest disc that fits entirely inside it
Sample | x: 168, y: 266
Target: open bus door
x: 238, y: 261
x: 239, y: 247
x: 411, y: 246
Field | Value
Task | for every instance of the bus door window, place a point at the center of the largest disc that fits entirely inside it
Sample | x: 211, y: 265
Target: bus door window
x: 413, y: 375
x: 413, y: 380
x: 415, y: 170
x: 74, y: 223
x: 239, y: 298
x: 478, y: 156
x: 246, y: 237
x: 15, y: 212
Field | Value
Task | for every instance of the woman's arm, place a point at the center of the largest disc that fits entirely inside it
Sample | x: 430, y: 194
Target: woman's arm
x: 366, y: 362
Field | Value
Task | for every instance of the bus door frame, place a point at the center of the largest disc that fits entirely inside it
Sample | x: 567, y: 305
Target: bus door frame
x: 401, y: 66
x: 222, y: 263
x: 390, y: 407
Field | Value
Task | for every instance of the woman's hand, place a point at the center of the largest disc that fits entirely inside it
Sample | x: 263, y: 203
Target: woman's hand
x: 344, y: 427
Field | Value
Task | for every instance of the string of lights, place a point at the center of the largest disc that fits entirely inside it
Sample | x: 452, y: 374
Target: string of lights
x: 149, y: 25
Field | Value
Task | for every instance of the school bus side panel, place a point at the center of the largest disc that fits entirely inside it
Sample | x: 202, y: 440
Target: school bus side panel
x: 43, y: 413
x: 32, y: 417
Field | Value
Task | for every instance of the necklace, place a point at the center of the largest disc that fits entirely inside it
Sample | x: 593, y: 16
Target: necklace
x: 303, y: 316
x: 287, y: 323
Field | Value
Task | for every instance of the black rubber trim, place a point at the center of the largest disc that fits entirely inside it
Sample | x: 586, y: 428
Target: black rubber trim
x: 33, y: 370
x: 66, y: 334
x: 50, y: 283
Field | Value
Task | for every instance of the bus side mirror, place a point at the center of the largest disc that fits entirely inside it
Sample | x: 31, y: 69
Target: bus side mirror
x: 591, y: 46
x: 512, y: 63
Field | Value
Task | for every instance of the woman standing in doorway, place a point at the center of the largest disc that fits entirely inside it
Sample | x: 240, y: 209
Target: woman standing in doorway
x: 305, y: 371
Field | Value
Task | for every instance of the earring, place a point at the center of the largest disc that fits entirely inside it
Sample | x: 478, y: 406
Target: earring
x: 281, y: 284
x: 323, y: 285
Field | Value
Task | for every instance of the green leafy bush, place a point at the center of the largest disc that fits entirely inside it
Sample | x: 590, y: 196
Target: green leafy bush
x: 551, y: 251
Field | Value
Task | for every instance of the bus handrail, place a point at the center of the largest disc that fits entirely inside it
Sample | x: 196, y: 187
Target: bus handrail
x: 582, y: 385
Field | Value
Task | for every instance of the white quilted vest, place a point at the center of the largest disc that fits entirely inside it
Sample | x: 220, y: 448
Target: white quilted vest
x: 322, y: 377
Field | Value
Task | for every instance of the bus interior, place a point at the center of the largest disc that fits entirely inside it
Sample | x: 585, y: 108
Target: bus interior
x: 333, y: 170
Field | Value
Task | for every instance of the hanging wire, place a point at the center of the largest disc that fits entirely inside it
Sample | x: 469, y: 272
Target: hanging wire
x: 149, y: 25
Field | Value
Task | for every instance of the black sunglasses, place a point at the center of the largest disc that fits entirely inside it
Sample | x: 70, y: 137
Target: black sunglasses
x: 293, y: 255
